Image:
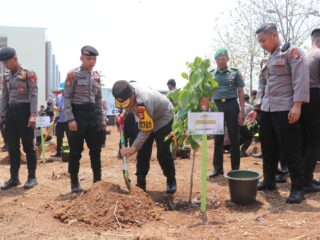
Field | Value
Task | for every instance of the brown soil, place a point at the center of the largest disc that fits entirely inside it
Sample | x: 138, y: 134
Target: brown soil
x: 29, y: 214
x: 106, y: 207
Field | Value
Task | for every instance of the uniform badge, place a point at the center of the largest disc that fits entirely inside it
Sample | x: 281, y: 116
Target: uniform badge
x: 21, y: 75
x: 68, y: 83
x: 21, y: 88
x: 294, y: 53
x: 145, y: 121
x: 32, y: 77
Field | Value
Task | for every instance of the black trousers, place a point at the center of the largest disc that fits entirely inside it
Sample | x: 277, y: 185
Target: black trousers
x: 88, y: 130
x: 279, y: 137
x: 231, y: 112
x: 61, y: 128
x: 16, y: 129
x: 310, y: 121
x: 163, y: 154
x: 245, y: 138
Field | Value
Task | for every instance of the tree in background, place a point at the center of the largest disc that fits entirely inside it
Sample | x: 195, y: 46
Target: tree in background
x: 236, y: 30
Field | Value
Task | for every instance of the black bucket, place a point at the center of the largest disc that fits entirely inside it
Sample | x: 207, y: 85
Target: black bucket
x: 243, y: 186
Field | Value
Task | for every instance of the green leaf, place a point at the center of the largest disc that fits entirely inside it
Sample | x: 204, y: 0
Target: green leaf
x: 185, y: 75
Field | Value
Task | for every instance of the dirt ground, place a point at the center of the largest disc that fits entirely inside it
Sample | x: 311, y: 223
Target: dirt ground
x: 107, y: 211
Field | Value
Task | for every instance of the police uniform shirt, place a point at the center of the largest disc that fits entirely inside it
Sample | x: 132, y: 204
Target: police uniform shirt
x: 313, y: 61
x: 19, y: 87
x: 229, y: 80
x: 283, y: 80
x: 154, y: 111
x: 82, y: 87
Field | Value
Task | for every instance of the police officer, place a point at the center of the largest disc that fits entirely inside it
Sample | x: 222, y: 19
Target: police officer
x: 155, y: 115
x: 283, y: 87
x: 19, y: 109
x: 83, y: 111
x: 225, y: 96
x: 62, y: 124
x: 310, y: 116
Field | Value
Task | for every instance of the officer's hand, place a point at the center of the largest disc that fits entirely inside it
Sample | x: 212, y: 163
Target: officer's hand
x: 32, y: 121
x: 73, y: 126
x: 251, y: 117
x: 127, y: 151
x: 103, y: 125
x: 294, y: 113
x: 241, y: 118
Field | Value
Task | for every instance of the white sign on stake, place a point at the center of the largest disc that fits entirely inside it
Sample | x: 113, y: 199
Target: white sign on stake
x: 206, y: 123
x: 42, y: 121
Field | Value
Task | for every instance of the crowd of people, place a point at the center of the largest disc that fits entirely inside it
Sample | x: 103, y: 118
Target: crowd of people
x: 284, y: 113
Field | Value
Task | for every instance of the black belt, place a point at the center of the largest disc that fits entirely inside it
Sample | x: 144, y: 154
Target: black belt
x: 19, y: 105
x: 83, y: 107
x: 224, y: 100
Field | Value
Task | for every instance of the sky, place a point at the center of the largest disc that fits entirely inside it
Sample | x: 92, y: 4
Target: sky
x: 149, y: 41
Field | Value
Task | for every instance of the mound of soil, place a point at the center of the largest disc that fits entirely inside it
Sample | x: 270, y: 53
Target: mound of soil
x: 106, y: 206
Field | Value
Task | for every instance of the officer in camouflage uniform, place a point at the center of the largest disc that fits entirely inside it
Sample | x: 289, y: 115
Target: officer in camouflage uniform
x: 155, y: 115
x: 283, y: 87
x: 225, y: 96
x: 83, y: 111
x: 19, y: 109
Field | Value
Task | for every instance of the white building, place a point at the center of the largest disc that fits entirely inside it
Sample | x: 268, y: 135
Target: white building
x: 35, y: 53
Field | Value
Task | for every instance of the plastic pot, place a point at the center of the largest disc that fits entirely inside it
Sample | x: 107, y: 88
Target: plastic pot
x: 243, y: 186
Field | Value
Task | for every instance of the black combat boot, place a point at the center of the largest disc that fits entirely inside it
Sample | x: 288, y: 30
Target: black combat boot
x: 31, y: 181
x: 75, y: 184
x: 13, y: 181
x: 96, y: 175
x: 141, y: 182
x: 171, y: 185
x: 296, y: 196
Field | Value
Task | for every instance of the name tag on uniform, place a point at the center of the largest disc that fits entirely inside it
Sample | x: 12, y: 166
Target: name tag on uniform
x: 279, y: 62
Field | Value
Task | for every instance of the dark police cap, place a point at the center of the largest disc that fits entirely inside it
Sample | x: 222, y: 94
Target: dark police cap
x: 122, y: 92
x: 315, y: 32
x: 6, y: 53
x: 89, y: 51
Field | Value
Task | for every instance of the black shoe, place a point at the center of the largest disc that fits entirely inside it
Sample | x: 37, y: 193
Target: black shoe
x: 4, y: 148
x: 75, y: 185
x: 243, y: 154
x: 295, y: 197
x: 281, y: 178
x: 76, y: 188
x: 283, y: 171
x: 30, y: 183
x: 171, y: 187
x: 215, y: 173
x: 315, y: 182
x: 311, y: 187
x: 264, y: 186
x: 56, y: 155
x: 10, y: 184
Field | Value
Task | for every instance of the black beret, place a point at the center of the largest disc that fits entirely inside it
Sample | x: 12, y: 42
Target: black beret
x: 89, y: 51
x: 6, y: 53
x: 315, y: 32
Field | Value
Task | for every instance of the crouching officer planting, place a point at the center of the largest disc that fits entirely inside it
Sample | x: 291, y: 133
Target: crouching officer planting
x: 155, y: 119
x: 19, y: 107
x: 83, y: 111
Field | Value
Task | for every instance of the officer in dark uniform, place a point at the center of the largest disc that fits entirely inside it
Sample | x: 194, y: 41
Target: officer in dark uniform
x: 283, y: 87
x: 83, y: 111
x: 19, y: 109
x: 310, y: 116
x: 226, y: 94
